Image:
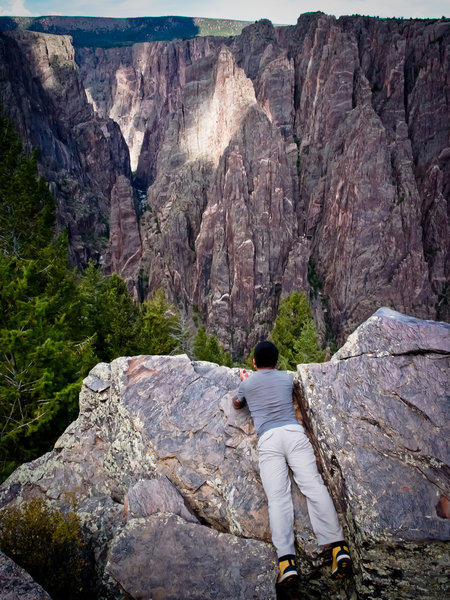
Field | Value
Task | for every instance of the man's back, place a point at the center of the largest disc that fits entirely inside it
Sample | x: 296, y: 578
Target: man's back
x: 269, y: 397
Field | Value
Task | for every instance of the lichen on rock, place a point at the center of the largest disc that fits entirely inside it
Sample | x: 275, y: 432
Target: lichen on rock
x: 163, y: 469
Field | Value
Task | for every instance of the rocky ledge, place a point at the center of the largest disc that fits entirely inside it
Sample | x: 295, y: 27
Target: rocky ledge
x: 164, y: 472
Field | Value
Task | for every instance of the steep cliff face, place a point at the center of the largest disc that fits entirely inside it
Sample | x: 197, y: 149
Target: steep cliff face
x: 139, y: 87
x: 81, y: 155
x: 323, y: 146
x: 358, y: 197
x: 324, y: 143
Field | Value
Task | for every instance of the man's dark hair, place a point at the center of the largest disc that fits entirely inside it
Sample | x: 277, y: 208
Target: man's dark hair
x: 266, y: 354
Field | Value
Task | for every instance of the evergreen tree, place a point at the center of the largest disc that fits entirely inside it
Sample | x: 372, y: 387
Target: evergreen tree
x: 294, y: 333
x: 159, y: 321
x: 93, y: 318
x: 181, y: 334
x: 306, y: 348
x: 207, y: 347
x: 118, y: 325
x: 120, y: 317
x: 200, y: 344
x: 43, y: 357
x: 109, y: 316
x: 217, y: 353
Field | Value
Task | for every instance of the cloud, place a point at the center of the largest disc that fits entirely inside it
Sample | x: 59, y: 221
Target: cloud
x: 15, y: 8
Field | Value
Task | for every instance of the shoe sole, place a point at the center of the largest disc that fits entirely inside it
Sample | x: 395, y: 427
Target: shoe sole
x: 344, y: 568
x: 287, y: 577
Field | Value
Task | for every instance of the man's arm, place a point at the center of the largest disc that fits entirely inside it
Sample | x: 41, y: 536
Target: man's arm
x: 239, y: 400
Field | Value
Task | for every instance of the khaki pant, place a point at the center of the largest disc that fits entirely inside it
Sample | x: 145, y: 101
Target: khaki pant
x: 279, y: 449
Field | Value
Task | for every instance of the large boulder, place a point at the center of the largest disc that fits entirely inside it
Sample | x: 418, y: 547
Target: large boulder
x: 163, y: 472
x: 379, y: 416
x: 158, y: 447
x: 17, y: 584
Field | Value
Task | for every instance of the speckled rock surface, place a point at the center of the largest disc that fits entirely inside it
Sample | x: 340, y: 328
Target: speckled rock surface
x: 165, y: 557
x: 143, y: 420
x: 17, y: 584
x: 380, y: 414
x: 163, y: 470
x: 152, y: 496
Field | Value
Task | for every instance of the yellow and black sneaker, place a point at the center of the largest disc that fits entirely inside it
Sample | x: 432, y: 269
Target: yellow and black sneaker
x: 342, y: 563
x: 287, y: 568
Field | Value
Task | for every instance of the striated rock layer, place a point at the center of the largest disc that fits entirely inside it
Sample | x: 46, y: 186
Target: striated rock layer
x: 321, y: 146
x: 326, y: 143
x: 164, y: 470
x: 83, y: 157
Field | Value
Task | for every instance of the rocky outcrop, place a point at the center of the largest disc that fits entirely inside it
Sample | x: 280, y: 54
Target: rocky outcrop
x: 320, y: 148
x: 379, y: 414
x: 17, y: 584
x: 125, y: 246
x: 159, y: 460
x: 211, y: 564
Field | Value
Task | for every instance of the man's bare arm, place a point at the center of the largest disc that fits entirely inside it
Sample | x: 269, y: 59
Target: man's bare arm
x: 237, y: 404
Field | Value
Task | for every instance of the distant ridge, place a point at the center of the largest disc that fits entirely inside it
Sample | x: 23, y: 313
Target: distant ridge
x: 105, y: 32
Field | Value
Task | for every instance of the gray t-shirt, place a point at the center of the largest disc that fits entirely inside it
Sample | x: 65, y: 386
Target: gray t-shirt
x: 269, y: 397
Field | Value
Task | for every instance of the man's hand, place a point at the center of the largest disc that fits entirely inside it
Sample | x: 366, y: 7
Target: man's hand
x: 244, y: 374
x: 237, y: 404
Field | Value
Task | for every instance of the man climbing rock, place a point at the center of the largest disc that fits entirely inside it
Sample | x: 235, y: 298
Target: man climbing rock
x: 283, y: 445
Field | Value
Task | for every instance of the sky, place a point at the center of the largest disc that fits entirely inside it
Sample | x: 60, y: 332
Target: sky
x: 278, y: 11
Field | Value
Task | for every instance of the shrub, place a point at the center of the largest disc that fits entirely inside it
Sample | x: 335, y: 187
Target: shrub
x: 49, y: 545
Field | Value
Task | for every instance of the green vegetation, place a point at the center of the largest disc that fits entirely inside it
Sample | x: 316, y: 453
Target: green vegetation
x: 207, y: 347
x: 56, y: 324
x: 313, y: 279
x: 294, y: 333
x: 220, y: 27
x: 42, y: 355
x: 49, y: 545
x: 160, y: 322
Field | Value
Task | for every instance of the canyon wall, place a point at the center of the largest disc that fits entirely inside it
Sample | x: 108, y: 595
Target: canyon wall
x: 82, y: 156
x: 314, y: 157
